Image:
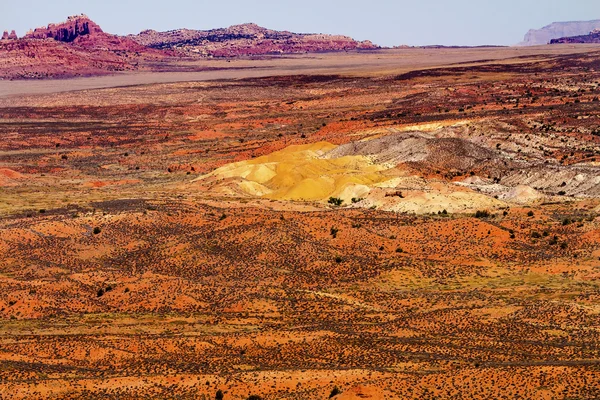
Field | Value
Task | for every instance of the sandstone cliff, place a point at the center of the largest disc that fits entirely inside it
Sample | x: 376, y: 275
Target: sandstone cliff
x: 558, y: 30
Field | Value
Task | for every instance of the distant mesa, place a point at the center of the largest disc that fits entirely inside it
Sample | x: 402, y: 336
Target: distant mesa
x: 559, y: 30
x: 592, y: 37
x: 74, y: 27
x: 79, y: 47
x: 246, y: 40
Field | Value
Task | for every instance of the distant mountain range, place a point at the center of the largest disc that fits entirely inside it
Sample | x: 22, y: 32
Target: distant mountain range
x: 78, y: 47
x: 558, y: 30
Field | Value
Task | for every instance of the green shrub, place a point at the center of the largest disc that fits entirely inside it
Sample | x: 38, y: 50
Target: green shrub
x: 482, y: 214
x: 336, y: 201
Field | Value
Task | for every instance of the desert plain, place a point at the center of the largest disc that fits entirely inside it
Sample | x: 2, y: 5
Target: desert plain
x: 385, y: 224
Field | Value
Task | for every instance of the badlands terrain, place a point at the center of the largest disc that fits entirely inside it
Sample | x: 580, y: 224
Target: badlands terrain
x: 397, y: 224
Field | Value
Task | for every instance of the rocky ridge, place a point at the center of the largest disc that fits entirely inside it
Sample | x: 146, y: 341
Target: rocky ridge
x: 592, y: 37
x: 246, y: 40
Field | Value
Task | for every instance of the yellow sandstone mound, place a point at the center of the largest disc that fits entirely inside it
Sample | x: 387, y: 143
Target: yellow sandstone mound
x: 300, y: 173
x: 314, y: 173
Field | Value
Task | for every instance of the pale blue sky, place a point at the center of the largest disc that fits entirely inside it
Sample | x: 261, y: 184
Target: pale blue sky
x: 385, y: 22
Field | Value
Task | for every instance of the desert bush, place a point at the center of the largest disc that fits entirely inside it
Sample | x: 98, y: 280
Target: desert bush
x: 336, y: 201
x: 334, y: 392
x: 482, y: 214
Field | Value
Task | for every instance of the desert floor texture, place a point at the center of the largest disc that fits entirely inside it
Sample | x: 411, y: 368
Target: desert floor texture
x: 396, y: 224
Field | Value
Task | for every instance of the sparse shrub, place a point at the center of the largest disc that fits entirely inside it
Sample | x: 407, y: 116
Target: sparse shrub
x: 338, y: 259
x: 100, y: 292
x: 222, y: 217
x: 553, y: 241
x: 336, y: 201
x: 356, y: 200
x: 399, y: 250
x: 566, y: 222
x: 535, y: 235
x: 564, y: 245
x: 444, y: 212
x: 219, y: 395
x: 562, y: 193
x: 482, y: 214
x: 254, y: 397
x: 530, y: 214
x: 333, y: 232
x: 334, y: 392
x: 42, y: 211
x: 97, y: 230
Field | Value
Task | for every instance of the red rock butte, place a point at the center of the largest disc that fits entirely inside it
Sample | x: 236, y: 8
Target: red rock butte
x: 74, y: 27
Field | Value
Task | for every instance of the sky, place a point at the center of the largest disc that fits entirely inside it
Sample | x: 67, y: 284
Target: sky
x: 385, y: 22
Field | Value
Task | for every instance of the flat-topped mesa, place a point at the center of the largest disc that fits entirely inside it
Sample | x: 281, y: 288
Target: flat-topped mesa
x: 74, y: 27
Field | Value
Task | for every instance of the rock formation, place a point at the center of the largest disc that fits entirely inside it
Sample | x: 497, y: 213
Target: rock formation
x: 68, y: 31
x: 245, y: 40
x: 558, y: 30
x: 592, y: 37
x: 9, y: 36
